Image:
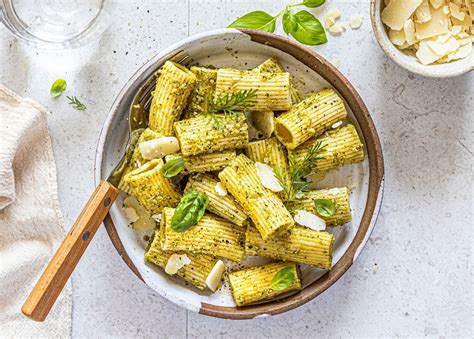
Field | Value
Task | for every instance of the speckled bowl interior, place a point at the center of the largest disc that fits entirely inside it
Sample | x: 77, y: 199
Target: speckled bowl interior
x: 408, y: 62
x: 246, y: 49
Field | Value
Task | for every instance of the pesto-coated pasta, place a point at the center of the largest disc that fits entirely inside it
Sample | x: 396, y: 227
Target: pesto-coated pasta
x: 173, y: 87
x: 151, y: 189
x: 263, y: 206
x: 338, y: 195
x: 195, y: 272
x: 211, y: 235
x: 302, y: 245
x: 310, y: 118
x: 203, y: 91
x: 268, y: 151
x: 255, y: 283
x: 223, y: 206
x: 343, y: 146
x: 199, y: 136
x: 273, y: 65
x: 136, y: 159
x: 272, y: 90
x: 206, y: 162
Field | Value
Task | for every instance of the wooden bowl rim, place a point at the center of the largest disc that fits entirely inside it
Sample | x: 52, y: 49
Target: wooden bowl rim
x: 375, y: 192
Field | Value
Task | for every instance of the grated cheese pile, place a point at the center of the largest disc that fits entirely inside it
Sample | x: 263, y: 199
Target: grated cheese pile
x: 434, y: 31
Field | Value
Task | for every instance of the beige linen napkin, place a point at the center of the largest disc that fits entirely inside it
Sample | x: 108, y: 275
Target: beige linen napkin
x: 31, y: 224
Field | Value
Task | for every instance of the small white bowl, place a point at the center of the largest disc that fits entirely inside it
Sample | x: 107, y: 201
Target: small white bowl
x: 408, y: 62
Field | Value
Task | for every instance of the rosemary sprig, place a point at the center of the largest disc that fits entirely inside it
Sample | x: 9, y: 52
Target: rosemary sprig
x: 74, y: 102
x: 293, y: 181
x: 229, y: 105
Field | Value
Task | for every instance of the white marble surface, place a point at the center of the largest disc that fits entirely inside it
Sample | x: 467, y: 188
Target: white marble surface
x: 414, y: 278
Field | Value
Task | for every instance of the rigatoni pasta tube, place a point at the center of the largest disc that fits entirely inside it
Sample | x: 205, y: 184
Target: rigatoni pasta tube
x: 255, y: 283
x: 311, y: 117
x: 136, y: 159
x: 208, y: 162
x: 211, y: 235
x: 151, y: 189
x: 272, y: 90
x: 263, y: 206
x: 195, y: 272
x: 268, y: 151
x: 273, y: 65
x: 338, y: 195
x: 223, y: 206
x: 173, y: 87
x: 302, y: 245
x: 202, y: 93
x: 199, y: 136
x: 342, y: 146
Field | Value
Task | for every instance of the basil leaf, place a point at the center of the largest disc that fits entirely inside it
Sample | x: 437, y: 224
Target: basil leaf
x: 58, y: 87
x: 309, y: 30
x: 325, y: 207
x: 282, y: 279
x: 172, y: 167
x: 189, y: 211
x: 289, y: 23
x: 257, y: 20
x: 313, y: 3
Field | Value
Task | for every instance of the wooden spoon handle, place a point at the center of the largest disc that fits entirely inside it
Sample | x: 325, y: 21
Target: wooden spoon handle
x: 60, y: 268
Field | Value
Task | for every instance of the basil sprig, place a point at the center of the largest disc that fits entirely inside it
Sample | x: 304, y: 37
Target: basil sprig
x: 283, y: 279
x: 58, y: 87
x: 325, y: 207
x: 172, y: 167
x: 303, y: 26
x: 189, y: 211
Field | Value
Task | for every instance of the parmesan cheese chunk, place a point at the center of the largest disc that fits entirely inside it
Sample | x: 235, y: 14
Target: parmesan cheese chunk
x: 310, y: 220
x: 436, y: 3
x: 331, y: 16
x: 436, y: 26
x: 336, y: 125
x: 176, y: 262
x: 397, y: 37
x: 158, y: 148
x: 220, y: 189
x: 144, y: 221
x: 443, y: 49
x: 337, y: 28
x: 398, y: 11
x: 267, y: 177
x: 455, y: 12
x: 462, y: 52
x: 214, y: 278
x: 425, y: 54
x: 130, y: 214
x: 409, y: 30
x: 423, y: 12
x: 355, y: 21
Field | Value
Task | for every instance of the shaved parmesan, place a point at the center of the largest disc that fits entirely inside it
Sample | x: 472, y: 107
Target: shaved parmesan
x: 176, y: 262
x: 442, y: 49
x: 220, y: 189
x: 267, y: 177
x: 455, y: 12
x: 423, y: 12
x: 156, y: 217
x: 158, y: 148
x: 144, y: 221
x: 425, y: 54
x: 214, y: 278
x: 130, y: 214
x: 436, y: 26
x: 331, y: 16
x: 409, y: 30
x: 455, y: 30
x: 355, y: 21
x: 336, y: 125
x: 462, y: 52
x: 310, y: 220
x: 397, y: 37
x: 337, y: 28
x: 436, y: 3
x: 397, y: 12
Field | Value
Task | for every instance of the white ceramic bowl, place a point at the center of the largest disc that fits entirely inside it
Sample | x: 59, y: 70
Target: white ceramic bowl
x: 408, y: 62
x: 246, y: 49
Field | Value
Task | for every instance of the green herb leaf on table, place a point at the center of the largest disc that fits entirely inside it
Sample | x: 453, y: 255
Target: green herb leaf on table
x: 309, y: 30
x: 293, y: 181
x: 58, y: 87
x: 74, y: 102
x: 283, y: 279
x: 325, y: 207
x: 289, y: 22
x: 313, y: 3
x: 189, y: 211
x: 257, y: 20
x: 172, y: 167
